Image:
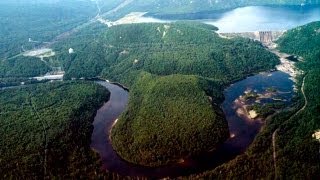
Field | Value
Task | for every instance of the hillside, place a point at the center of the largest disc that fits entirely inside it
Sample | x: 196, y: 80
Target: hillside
x: 120, y: 52
x: 303, y: 41
x: 192, y: 51
x: 295, y: 150
x: 169, y: 118
x: 155, y: 60
x: 41, y: 22
x: 45, y: 130
x: 203, y: 63
x: 176, y: 73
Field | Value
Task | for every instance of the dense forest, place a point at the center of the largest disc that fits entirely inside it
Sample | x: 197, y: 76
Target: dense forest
x: 297, y: 151
x: 45, y: 130
x: 23, y: 67
x: 176, y: 73
x: 41, y: 22
x: 169, y: 118
x: 128, y: 53
x: 121, y: 52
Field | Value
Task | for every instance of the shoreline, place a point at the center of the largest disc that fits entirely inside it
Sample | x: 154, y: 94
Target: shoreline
x: 249, y: 120
x: 286, y: 65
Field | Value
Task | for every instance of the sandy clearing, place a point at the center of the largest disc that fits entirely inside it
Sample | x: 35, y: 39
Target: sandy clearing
x: 131, y: 18
x: 40, y: 53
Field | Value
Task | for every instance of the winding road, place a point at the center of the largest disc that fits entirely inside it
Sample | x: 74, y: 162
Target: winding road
x: 274, y: 134
x: 66, y: 34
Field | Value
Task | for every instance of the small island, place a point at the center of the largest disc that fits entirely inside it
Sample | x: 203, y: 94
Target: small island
x: 258, y: 106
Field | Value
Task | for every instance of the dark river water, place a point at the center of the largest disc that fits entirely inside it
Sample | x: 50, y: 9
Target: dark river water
x: 244, y: 130
x: 254, y: 18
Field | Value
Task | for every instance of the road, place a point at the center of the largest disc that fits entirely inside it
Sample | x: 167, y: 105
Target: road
x: 120, y: 6
x: 274, y: 134
x: 88, y: 23
x: 67, y: 34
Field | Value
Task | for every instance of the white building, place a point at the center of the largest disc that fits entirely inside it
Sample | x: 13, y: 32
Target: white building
x: 71, y: 51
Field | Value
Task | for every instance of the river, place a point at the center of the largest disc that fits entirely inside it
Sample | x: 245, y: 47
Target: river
x: 244, y: 130
x: 100, y: 142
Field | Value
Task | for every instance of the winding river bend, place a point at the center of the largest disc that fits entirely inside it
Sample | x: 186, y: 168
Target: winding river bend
x: 243, y: 130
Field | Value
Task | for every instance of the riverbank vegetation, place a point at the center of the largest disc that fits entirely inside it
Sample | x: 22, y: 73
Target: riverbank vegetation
x: 121, y: 52
x: 265, y: 110
x: 169, y: 118
x: 184, y: 53
x: 45, y: 130
x: 297, y: 152
x: 176, y: 73
x: 166, y: 52
x: 305, y: 42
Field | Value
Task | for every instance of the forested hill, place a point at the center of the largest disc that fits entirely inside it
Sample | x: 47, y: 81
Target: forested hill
x: 41, y: 22
x: 171, y: 70
x: 169, y: 118
x: 45, y: 130
x: 297, y: 151
x: 121, y: 52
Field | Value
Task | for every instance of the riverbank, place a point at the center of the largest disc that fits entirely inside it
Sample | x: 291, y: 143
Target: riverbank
x: 248, y: 104
x: 286, y: 65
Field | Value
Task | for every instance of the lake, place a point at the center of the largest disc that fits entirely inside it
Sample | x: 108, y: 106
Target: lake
x: 253, y: 18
